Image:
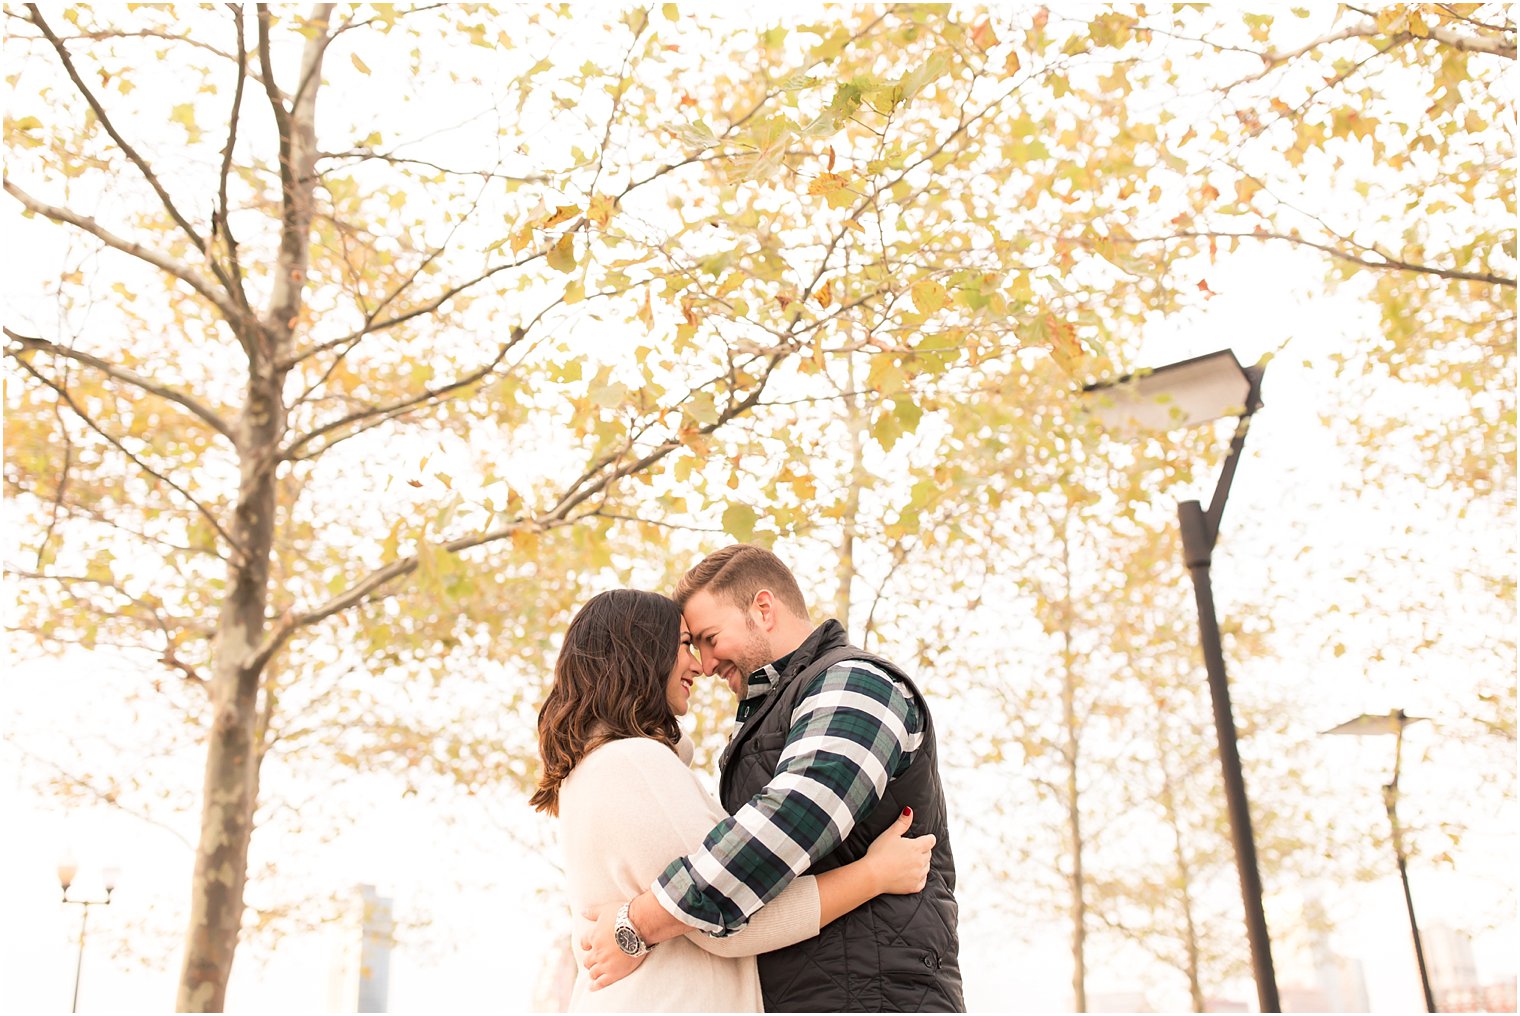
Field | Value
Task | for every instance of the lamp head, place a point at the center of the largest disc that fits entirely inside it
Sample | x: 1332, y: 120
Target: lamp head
x: 1391, y: 722
x: 67, y: 869
x: 1183, y: 394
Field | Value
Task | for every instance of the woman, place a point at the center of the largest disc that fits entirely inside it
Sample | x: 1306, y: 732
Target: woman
x: 616, y: 772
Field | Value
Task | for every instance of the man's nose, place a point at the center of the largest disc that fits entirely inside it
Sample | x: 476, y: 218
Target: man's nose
x: 709, y: 662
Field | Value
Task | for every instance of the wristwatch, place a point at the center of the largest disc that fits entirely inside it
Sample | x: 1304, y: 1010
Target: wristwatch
x: 628, y: 938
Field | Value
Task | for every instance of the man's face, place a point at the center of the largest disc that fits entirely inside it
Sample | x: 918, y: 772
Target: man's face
x: 727, y: 638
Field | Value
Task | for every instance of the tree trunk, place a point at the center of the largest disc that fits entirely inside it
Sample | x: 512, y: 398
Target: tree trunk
x: 230, y: 790
x: 221, y: 860
x: 1073, y: 793
x: 1185, y: 881
x: 855, y: 422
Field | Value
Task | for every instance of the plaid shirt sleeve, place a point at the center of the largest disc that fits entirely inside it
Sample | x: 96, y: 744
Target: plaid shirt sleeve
x: 850, y: 732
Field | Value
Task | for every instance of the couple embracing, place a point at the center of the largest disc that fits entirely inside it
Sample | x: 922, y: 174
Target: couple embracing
x: 822, y: 882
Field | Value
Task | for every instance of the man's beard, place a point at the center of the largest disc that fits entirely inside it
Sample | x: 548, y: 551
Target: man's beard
x: 756, y: 654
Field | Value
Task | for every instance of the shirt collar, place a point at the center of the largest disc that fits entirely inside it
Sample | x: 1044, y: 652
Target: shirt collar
x: 759, y: 685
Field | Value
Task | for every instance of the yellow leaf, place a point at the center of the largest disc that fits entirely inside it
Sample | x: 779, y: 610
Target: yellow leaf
x: 1011, y: 65
x: 739, y: 522
x: 599, y: 211
x: 561, y: 213
x: 826, y: 183
x: 561, y: 256
x: 825, y: 295
x: 1064, y: 347
x: 928, y: 296
x: 359, y: 65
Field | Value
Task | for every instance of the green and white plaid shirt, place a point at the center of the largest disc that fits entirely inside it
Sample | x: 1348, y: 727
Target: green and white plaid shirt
x: 852, y: 730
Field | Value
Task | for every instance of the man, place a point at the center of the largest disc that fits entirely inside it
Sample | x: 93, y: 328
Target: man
x: 831, y: 744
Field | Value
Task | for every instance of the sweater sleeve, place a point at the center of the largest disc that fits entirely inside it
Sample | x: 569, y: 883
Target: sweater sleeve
x: 635, y: 807
x: 786, y: 920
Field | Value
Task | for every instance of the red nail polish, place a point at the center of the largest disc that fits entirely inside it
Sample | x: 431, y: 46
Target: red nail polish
x: 908, y: 811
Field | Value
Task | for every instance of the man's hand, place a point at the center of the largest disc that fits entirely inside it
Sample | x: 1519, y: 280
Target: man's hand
x: 604, y: 960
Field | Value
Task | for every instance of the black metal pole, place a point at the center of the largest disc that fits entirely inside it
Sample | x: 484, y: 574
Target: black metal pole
x: 84, y: 917
x: 1390, y: 801
x: 1198, y: 544
x: 1414, y: 927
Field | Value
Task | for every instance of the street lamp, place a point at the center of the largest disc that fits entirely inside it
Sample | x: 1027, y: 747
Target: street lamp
x: 67, y: 869
x: 1186, y: 394
x: 1394, y: 723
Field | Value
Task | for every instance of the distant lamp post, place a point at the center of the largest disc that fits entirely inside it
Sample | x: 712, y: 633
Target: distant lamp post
x: 67, y: 869
x: 1186, y: 394
x: 1394, y: 723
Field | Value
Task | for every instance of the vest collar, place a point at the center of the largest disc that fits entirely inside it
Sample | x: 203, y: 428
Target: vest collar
x: 828, y: 635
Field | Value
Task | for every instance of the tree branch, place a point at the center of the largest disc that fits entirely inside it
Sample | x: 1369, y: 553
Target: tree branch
x: 63, y: 483
x: 1475, y: 43
x: 77, y: 509
x: 556, y: 517
x: 359, y: 155
x: 162, y: 262
x: 397, y: 408
x: 421, y: 310
x: 110, y: 798
x: 1386, y: 262
x: 121, y: 142
x: 115, y: 443
x: 1368, y: 29
x: 188, y: 402
x: 221, y: 220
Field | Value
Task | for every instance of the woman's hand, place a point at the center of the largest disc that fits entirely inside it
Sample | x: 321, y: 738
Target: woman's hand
x: 900, y: 865
x: 604, y: 961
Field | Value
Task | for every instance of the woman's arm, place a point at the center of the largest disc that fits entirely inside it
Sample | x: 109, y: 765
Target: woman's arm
x: 636, y: 806
x: 633, y: 808
x: 891, y: 865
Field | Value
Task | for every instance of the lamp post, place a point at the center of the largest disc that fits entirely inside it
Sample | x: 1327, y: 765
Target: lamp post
x: 1394, y: 723
x: 1185, y: 394
x: 67, y: 869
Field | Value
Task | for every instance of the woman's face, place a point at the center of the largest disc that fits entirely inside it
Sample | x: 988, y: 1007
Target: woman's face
x: 683, y: 675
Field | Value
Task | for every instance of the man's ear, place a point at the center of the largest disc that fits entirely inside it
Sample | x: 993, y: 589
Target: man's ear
x: 764, y: 606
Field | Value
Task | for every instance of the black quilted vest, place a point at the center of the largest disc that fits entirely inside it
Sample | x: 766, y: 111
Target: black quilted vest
x: 896, y: 953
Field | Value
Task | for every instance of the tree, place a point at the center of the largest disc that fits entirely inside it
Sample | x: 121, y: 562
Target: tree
x: 298, y: 408
x: 176, y: 501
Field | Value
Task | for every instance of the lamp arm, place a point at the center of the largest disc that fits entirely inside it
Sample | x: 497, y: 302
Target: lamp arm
x: 1215, y: 510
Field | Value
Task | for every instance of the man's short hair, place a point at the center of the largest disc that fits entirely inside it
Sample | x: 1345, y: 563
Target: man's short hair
x: 737, y: 573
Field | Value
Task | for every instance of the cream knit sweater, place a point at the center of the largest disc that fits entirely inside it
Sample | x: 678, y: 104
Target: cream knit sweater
x: 628, y: 810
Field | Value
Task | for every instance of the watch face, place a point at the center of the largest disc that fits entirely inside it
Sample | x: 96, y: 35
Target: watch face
x: 628, y: 941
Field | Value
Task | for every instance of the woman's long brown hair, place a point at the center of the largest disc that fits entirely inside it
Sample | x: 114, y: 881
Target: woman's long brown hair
x: 610, y: 682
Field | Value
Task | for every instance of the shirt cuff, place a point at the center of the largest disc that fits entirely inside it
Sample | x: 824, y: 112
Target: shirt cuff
x: 677, y: 892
